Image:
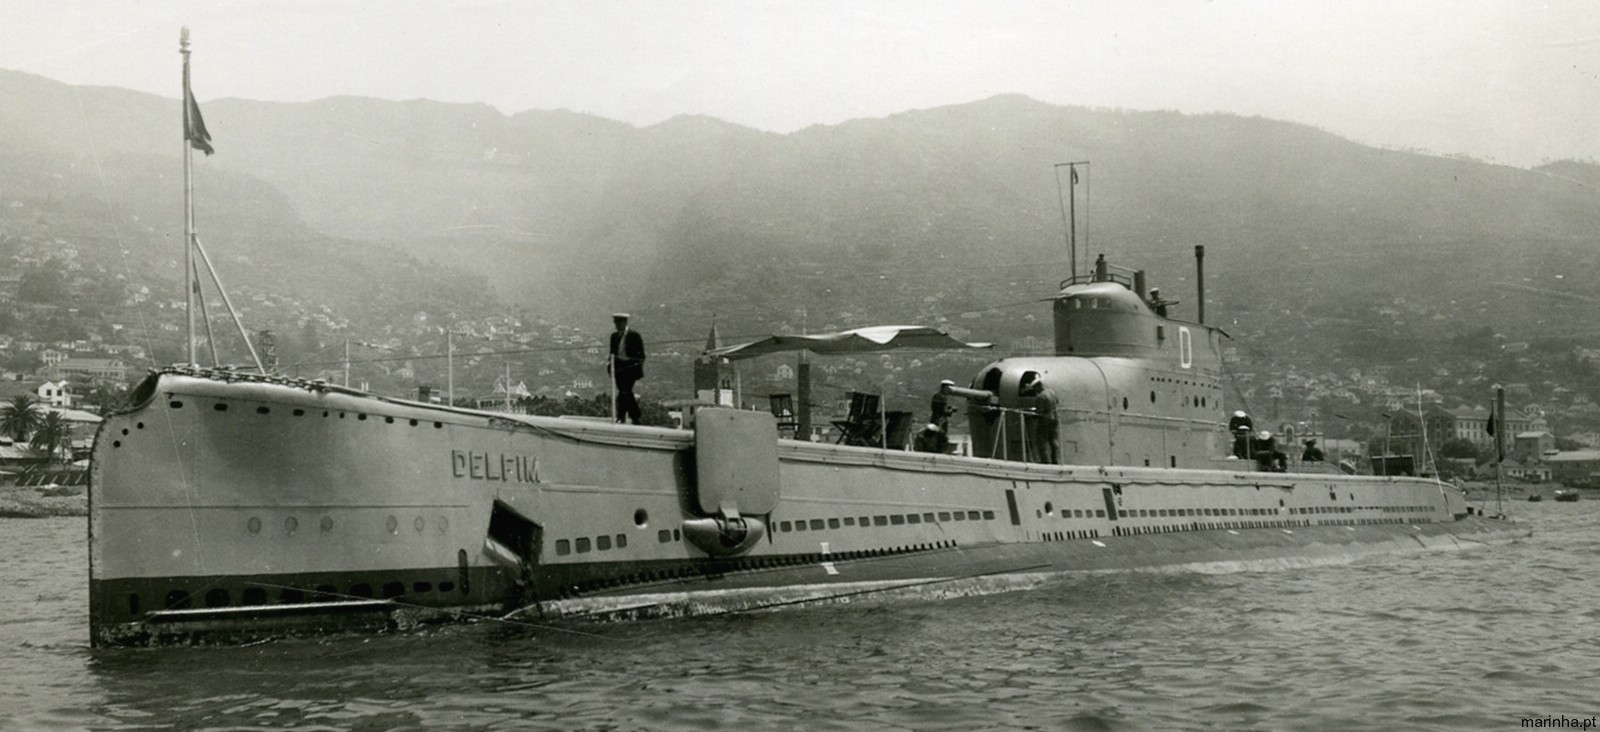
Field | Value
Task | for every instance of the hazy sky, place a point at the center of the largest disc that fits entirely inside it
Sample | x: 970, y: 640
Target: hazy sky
x: 1514, y: 81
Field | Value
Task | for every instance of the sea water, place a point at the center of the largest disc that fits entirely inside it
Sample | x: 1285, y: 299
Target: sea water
x: 1481, y: 639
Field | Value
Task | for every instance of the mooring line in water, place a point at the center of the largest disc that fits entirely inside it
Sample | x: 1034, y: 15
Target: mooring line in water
x: 506, y: 619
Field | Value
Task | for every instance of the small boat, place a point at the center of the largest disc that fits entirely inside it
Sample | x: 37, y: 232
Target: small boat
x: 1535, y: 497
x: 1566, y: 496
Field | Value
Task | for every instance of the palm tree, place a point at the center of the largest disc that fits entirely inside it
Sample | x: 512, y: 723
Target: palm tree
x: 20, y: 417
x: 53, y: 435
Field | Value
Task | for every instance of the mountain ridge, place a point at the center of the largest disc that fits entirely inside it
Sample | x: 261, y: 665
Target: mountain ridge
x: 920, y: 216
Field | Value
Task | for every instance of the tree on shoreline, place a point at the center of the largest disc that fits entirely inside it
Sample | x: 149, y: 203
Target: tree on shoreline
x: 20, y: 417
x: 54, y: 435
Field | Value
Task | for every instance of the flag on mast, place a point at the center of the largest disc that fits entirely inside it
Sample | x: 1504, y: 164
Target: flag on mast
x: 1074, y: 171
x: 194, y: 126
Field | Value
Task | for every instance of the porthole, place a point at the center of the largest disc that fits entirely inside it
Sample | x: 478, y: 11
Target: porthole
x: 219, y: 406
x: 446, y: 586
x: 299, y: 412
x: 1152, y: 397
x: 388, y: 420
x: 175, y: 404
x: 263, y: 410
x: 254, y: 596
x: 361, y: 417
x: 253, y: 525
x: 582, y: 545
x: 419, y: 524
x: 116, y: 443
x: 326, y: 524
x: 1049, y: 508
x: 291, y: 525
x: 361, y: 589
x: 124, y: 431
x: 443, y: 523
x: 392, y: 524
x: 602, y: 543
x: 1124, y: 402
x: 641, y: 518
x: 413, y: 423
x: 216, y: 597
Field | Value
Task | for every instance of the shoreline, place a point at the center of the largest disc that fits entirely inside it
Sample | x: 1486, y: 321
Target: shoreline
x: 32, y: 502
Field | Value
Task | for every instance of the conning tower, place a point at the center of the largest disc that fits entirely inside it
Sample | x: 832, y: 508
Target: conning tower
x: 1135, y: 385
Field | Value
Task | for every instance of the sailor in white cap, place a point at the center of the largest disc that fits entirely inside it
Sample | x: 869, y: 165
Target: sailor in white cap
x: 625, y: 363
x: 1242, y: 427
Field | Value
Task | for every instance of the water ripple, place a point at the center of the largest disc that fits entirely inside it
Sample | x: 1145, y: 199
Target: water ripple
x: 1462, y: 640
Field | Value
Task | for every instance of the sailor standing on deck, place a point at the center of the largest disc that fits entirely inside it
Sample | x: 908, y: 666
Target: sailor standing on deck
x: 1047, y: 424
x: 626, y: 366
x: 1242, y: 428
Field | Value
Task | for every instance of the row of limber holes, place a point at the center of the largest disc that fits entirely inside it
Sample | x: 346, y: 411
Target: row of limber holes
x: 584, y: 545
x: 263, y: 409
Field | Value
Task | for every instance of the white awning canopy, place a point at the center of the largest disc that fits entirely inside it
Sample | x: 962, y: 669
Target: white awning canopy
x: 860, y: 340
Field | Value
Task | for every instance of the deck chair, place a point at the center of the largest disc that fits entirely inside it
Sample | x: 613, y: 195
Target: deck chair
x: 782, y: 406
x: 861, y: 426
x: 897, y: 430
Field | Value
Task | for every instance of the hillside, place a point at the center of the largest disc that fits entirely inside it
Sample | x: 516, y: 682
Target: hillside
x: 1322, y: 253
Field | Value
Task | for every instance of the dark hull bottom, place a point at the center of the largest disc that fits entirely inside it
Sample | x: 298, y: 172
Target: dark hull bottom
x: 233, y: 609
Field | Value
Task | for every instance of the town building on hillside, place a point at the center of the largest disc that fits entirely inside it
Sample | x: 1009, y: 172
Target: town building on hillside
x: 47, y: 393
x: 1531, y: 472
x: 1472, y: 424
x: 713, y: 375
x: 1574, y: 466
x: 103, y: 369
x: 1532, y: 446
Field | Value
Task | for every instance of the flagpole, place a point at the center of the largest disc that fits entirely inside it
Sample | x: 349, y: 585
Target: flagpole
x: 1069, y: 212
x: 188, y: 204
